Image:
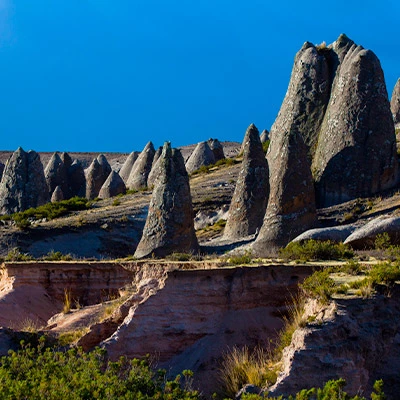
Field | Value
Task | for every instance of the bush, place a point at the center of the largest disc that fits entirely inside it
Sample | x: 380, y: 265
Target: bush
x: 57, y: 256
x: 385, y: 273
x: 39, y: 373
x: 240, y: 259
x: 316, y: 250
x: 16, y: 255
x: 382, y: 241
x: 319, y: 285
x: 265, y: 146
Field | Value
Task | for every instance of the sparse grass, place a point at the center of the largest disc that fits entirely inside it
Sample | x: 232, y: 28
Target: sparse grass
x: 70, y: 337
x: 116, y: 202
x: 131, y: 191
x: 16, y: 255
x: 67, y: 302
x: 29, y: 325
x: 316, y: 250
x: 382, y: 241
x: 240, y: 259
x: 57, y: 256
x: 319, y: 286
x: 205, y: 169
x: 180, y: 257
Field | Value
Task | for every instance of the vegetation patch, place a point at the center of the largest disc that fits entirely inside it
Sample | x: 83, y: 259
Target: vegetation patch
x: 312, y: 250
x: 239, y: 259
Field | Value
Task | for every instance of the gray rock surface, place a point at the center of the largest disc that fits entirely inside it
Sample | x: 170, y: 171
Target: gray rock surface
x: 202, y: 155
x: 96, y: 175
x: 332, y: 233
x: 23, y: 184
x: 169, y: 225
x: 264, y: 136
x: 249, y: 201
x: 57, y: 195
x: 56, y: 175
x: 217, y: 149
x: 395, y: 104
x: 127, y: 166
x: 364, y: 237
x: 356, y: 151
x: 141, y: 169
x: 77, y: 179
x: 291, y: 206
x: 113, y: 186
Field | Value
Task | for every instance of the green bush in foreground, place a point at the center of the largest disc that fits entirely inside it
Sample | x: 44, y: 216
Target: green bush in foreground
x: 38, y: 373
x: 316, y: 250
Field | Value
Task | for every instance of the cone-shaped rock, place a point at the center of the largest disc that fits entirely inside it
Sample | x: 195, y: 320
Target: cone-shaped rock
x: 356, y: 151
x: 96, y: 175
x: 306, y: 98
x: 113, y: 186
x: 141, y: 169
x: 249, y: 201
x: 57, y: 195
x: 217, y: 149
x: 105, y: 166
x: 127, y: 166
x: 202, y: 155
x: 264, y: 136
x: 395, y: 104
x: 169, y: 226
x: 155, y: 168
x: 291, y: 205
x: 23, y: 184
x: 66, y: 159
x: 56, y: 174
x: 77, y: 179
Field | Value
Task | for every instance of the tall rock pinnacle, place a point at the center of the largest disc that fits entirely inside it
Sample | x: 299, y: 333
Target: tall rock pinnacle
x: 169, y: 226
x: 249, y: 201
x: 141, y: 169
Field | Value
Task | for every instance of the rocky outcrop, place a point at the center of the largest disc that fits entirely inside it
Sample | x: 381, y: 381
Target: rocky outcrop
x: 356, y: 150
x: 364, y: 237
x: 96, y: 175
x: 56, y: 175
x: 264, y: 137
x: 113, y: 186
x: 127, y: 166
x: 201, y: 156
x: 395, y: 104
x: 57, y: 195
x: 352, y: 338
x: 217, y: 149
x: 307, y: 97
x: 169, y: 226
x: 249, y: 201
x: 77, y: 179
x: 141, y: 169
x: 23, y: 184
x: 332, y: 233
x: 291, y: 205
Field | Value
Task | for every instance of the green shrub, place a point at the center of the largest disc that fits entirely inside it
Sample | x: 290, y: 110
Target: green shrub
x: 39, y: 373
x: 385, y: 273
x: 316, y: 250
x: 16, y: 255
x: 382, y: 241
x: 319, y: 285
x: 57, y: 256
x: 240, y: 259
x: 116, y: 202
x: 265, y: 146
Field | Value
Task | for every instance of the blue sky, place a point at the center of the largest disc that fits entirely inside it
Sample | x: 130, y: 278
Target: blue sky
x: 109, y: 75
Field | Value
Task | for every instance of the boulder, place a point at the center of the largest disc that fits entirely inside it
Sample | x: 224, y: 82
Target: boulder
x: 169, y: 225
x: 249, y: 201
x: 395, y: 104
x: 217, y: 149
x: 291, y: 206
x: 23, y: 184
x: 333, y: 233
x: 113, y: 186
x: 201, y: 156
x: 141, y: 169
x: 364, y: 237
x: 356, y: 151
x: 127, y: 166
x: 264, y: 137
x: 57, y: 195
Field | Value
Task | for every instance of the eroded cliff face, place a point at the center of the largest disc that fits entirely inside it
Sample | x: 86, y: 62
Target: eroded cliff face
x: 352, y: 338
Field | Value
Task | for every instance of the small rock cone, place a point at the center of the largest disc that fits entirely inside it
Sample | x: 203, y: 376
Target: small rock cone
x: 217, y: 149
x: 113, y: 186
x: 57, y: 195
x: 141, y: 169
x: 201, y: 156
x: 264, y: 136
x: 169, y: 226
x: 127, y: 166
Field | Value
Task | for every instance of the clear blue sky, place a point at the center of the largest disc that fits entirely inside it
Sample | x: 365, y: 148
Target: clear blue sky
x: 109, y: 75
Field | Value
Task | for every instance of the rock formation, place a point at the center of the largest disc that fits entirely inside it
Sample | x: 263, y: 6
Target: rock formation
x: 96, y: 175
x: 356, y: 152
x: 155, y: 168
x: 249, y: 200
x: 291, y: 205
x: 264, y: 136
x: 141, y: 169
x: 57, y: 195
x: 395, y: 104
x: 23, y: 184
x: 217, y: 149
x: 56, y: 175
x: 202, y: 155
x: 332, y: 233
x: 169, y: 226
x: 127, y: 166
x: 77, y: 179
x: 113, y: 186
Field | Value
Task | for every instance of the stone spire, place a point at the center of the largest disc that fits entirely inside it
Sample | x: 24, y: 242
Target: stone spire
x: 141, y: 169
x: 202, y: 155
